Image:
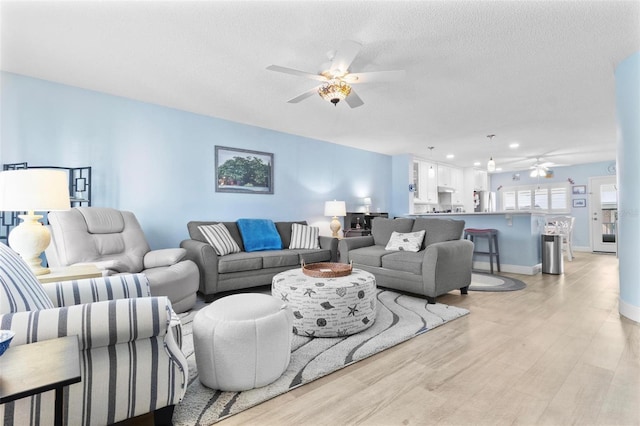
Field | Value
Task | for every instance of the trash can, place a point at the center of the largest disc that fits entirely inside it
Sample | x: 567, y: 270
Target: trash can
x: 552, y: 260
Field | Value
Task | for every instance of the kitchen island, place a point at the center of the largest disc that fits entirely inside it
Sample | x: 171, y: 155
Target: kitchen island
x: 518, y: 238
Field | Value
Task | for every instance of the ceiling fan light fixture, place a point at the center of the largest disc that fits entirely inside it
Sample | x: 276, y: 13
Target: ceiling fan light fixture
x: 538, y: 172
x: 334, y: 91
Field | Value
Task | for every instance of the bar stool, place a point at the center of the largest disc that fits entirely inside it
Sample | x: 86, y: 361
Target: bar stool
x: 492, y: 237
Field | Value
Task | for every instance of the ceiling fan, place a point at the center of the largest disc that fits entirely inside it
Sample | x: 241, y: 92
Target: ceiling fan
x: 540, y: 169
x: 337, y: 79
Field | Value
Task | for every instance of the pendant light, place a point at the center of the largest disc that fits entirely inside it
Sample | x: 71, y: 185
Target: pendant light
x: 431, y: 173
x: 491, y: 164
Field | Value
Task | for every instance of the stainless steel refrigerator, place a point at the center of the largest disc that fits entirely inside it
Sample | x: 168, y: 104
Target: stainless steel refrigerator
x: 484, y: 201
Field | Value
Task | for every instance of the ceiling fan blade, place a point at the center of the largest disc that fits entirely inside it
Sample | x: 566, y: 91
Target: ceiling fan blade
x: 345, y: 54
x: 375, y: 76
x: 298, y: 73
x: 353, y: 100
x: 304, y: 95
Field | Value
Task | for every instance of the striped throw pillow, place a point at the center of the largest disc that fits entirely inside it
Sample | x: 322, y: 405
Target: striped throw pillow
x: 304, y: 237
x: 20, y: 290
x: 220, y: 239
x: 409, y: 241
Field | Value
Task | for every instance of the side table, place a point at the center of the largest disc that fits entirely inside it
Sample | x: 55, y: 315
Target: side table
x: 67, y: 273
x: 356, y: 232
x: 40, y: 367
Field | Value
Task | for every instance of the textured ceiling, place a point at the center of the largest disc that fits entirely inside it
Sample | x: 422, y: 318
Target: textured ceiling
x: 537, y: 73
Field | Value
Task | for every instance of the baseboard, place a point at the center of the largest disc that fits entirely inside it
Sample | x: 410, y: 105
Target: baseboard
x: 582, y: 248
x: 512, y: 269
x: 629, y: 311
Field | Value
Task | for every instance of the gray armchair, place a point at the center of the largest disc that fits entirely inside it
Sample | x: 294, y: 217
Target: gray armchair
x: 442, y: 264
x: 113, y: 241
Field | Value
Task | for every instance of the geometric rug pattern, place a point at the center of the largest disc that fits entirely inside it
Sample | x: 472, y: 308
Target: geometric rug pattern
x: 398, y: 318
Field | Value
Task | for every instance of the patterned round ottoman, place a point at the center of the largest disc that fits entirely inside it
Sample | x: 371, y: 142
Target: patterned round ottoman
x: 327, y: 307
x: 242, y: 341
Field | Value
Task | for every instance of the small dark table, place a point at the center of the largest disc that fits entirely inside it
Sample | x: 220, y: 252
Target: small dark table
x: 27, y: 370
x: 353, y: 232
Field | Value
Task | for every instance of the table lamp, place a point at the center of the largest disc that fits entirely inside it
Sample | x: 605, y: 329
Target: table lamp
x: 31, y: 190
x: 335, y: 208
x: 367, y: 205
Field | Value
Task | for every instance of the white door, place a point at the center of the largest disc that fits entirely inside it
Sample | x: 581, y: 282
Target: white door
x: 603, y: 213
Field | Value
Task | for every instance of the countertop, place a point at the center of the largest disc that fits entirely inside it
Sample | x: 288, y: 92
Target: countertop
x: 513, y: 213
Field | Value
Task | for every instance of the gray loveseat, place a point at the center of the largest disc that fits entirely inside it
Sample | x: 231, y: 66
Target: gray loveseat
x: 248, y: 269
x: 442, y: 264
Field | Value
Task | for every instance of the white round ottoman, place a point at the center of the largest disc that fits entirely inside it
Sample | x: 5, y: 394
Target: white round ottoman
x: 242, y: 341
x: 327, y: 307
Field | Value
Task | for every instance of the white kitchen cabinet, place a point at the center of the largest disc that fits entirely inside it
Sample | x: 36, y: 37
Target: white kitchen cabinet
x: 426, y: 182
x: 457, y: 183
x: 429, y: 180
x: 444, y: 176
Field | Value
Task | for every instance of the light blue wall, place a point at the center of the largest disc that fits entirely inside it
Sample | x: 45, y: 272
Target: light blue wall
x: 159, y: 162
x: 579, y: 174
x: 628, y: 114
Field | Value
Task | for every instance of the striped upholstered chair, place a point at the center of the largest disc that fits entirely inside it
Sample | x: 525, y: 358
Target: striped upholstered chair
x: 130, y: 354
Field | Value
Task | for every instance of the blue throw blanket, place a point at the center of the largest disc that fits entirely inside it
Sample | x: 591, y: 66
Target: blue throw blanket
x: 259, y: 234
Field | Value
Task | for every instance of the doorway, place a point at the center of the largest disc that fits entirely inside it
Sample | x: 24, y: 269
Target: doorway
x: 603, y: 214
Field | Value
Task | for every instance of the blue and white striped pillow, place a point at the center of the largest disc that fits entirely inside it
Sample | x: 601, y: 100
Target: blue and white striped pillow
x: 20, y: 290
x: 304, y: 237
x: 220, y: 239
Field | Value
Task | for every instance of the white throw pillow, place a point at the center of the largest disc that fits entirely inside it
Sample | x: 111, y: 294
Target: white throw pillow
x: 304, y: 237
x: 409, y: 241
x: 219, y: 237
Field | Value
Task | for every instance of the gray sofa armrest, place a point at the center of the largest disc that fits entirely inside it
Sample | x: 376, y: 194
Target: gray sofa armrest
x: 447, y: 266
x: 329, y: 243
x: 206, y: 259
x: 346, y: 244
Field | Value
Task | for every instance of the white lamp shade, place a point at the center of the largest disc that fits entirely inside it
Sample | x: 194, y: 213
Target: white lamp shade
x: 34, y: 190
x: 335, y: 208
x: 367, y: 201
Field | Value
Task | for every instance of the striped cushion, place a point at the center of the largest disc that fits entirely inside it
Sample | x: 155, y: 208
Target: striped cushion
x: 409, y: 241
x: 20, y: 290
x: 89, y: 290
x: 304, y: 237
x: 219, y: 237
x: 130, y: 363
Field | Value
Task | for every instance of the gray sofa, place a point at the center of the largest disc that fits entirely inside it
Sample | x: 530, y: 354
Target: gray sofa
x: 442, y: 264
x: 248, y: 269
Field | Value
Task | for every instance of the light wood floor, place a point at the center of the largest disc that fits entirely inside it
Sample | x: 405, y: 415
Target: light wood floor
x: 555, y: 353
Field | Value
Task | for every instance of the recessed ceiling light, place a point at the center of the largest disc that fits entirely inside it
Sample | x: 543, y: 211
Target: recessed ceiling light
x: 477, y: 163
x: 514, y: 145
x: 450, y: 156
x: 498, y: 169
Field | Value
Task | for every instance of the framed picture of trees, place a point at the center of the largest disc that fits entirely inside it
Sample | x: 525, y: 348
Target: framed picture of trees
x: 243, y: 171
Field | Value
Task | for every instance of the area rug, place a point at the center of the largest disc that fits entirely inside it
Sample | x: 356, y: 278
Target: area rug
x: 398, y: 318
x: 490, y: 282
